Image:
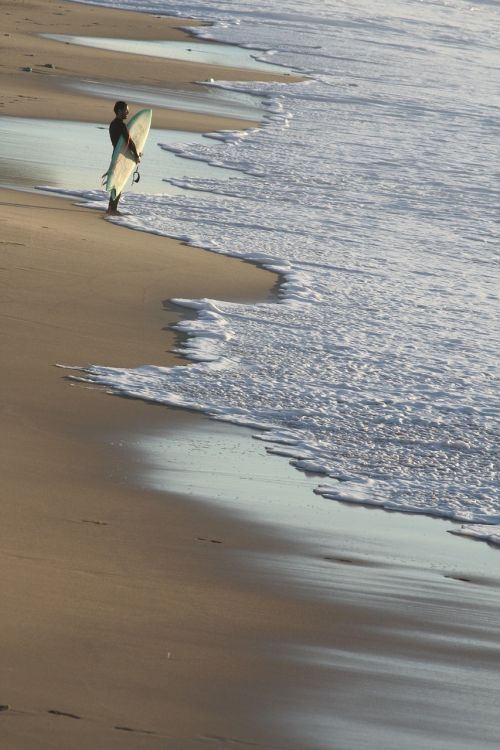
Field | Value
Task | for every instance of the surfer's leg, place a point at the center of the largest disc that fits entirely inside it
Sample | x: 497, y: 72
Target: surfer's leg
x: 113, y: 206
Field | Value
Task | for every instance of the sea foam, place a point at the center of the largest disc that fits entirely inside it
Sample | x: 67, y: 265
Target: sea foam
x: 371, y: 189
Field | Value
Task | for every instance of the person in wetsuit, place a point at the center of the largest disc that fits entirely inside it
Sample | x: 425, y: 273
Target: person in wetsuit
x: 118, y: 128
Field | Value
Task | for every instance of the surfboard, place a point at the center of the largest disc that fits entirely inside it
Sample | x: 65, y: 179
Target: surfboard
x: 122, y: 162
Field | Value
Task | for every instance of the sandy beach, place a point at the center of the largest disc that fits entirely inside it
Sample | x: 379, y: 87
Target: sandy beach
x: 139, y: 618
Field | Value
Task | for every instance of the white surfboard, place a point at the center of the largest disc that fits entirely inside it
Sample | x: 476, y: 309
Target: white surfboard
x: 122, y: 162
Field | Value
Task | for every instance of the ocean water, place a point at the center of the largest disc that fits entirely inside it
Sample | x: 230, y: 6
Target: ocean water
x: 373, y: 189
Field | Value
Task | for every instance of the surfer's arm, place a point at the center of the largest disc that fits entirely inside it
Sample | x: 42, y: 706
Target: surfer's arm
x: 132, y: 148
x: 130, y: 143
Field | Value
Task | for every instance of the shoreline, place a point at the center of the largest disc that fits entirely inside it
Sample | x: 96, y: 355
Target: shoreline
x: 113, y: 633
x: 137, y: 617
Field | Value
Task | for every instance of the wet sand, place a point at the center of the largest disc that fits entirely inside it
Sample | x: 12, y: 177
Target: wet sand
x: 44, y: 92
x: 140, y: 616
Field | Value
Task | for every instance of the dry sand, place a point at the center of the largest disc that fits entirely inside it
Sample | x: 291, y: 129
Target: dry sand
x: 124, y: 623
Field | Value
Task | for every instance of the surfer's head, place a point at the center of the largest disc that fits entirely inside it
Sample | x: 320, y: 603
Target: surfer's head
x: 121, y: 110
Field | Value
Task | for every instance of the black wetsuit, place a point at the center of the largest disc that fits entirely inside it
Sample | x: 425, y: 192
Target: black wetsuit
x: 118, y: 128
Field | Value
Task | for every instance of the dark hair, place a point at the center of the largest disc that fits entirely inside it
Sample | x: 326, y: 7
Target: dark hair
x: 119, y: 105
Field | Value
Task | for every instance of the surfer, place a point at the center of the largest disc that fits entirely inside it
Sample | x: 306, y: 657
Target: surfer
x: 118, y: 128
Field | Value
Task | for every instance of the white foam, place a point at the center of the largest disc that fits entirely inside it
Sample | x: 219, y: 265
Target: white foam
x: 368, y: 192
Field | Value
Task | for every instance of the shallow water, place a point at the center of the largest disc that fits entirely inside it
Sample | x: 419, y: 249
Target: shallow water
x: 69, y: 155
x: 204, y: 100
x: 203, y: 458
x: 429, y: 600
x: 195, y: 51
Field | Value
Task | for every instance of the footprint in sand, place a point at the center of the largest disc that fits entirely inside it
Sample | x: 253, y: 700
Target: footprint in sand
x: 135, y: 731
x: 464, y: 579
x: 204, y: 539
x: 343, y: 560
x: 55, y: 712
x: 226, y: 740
